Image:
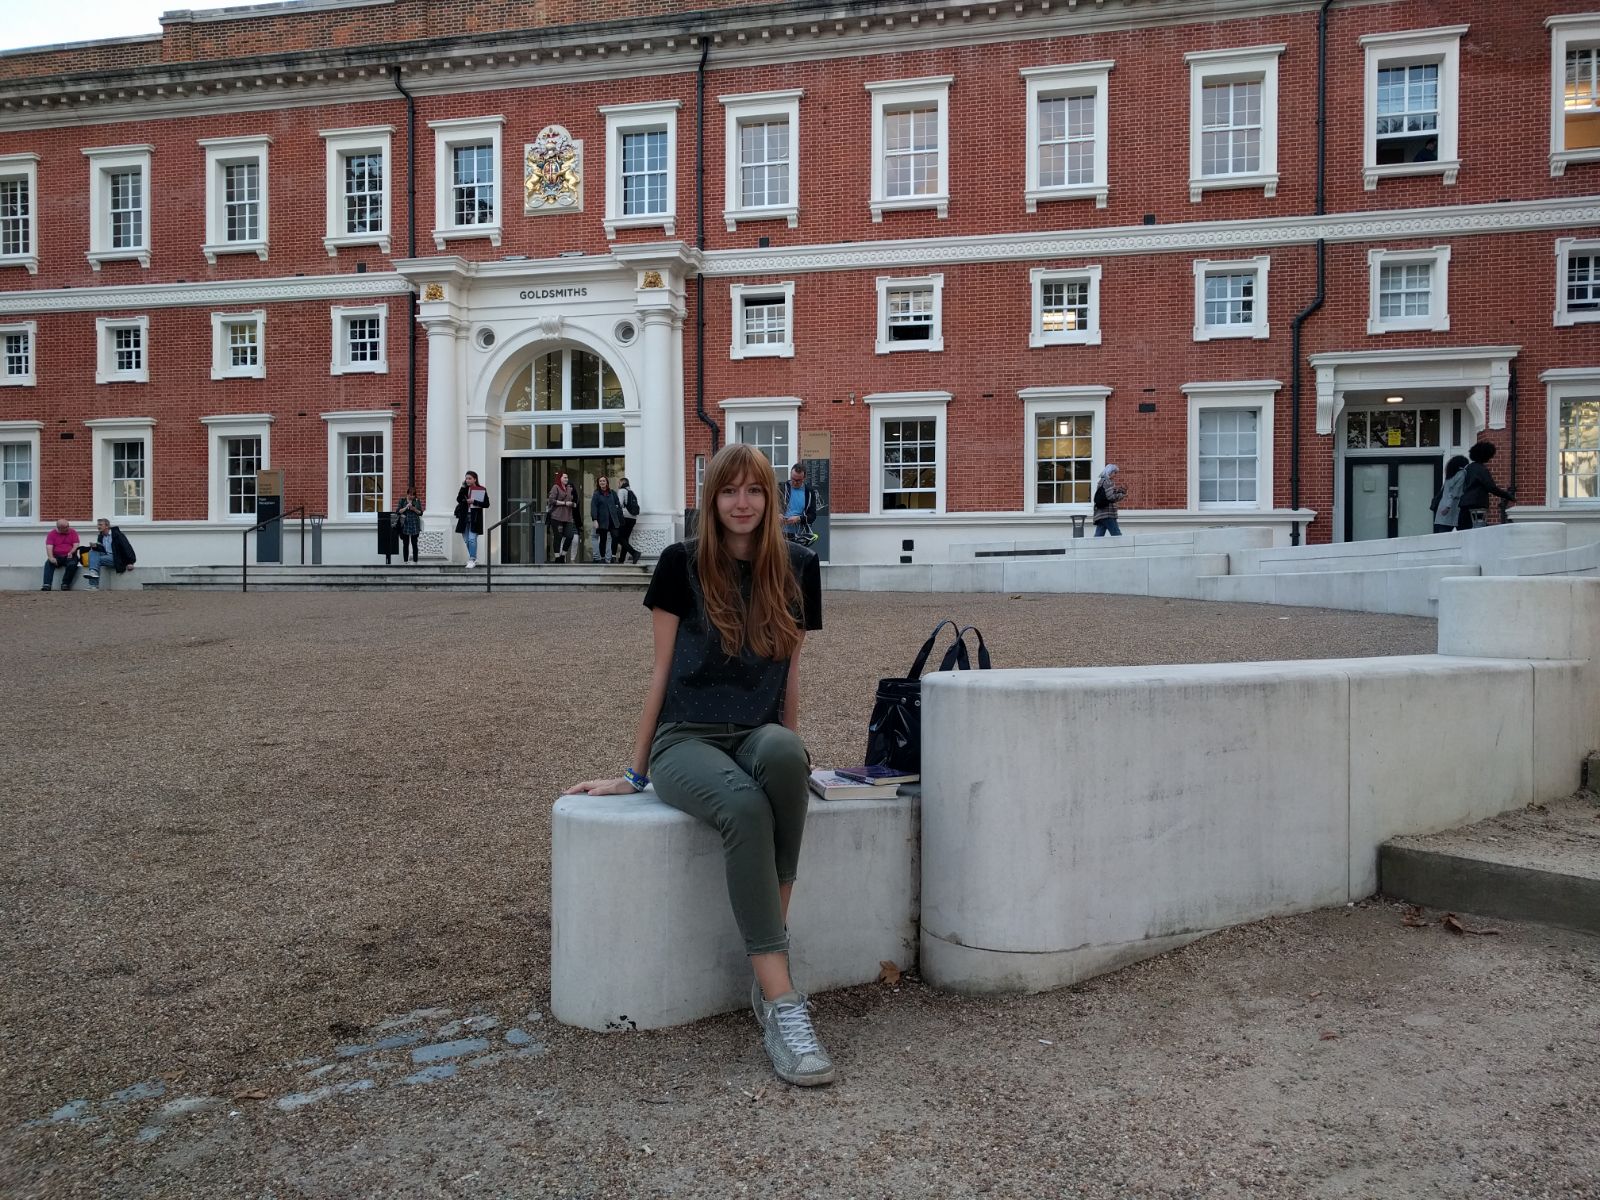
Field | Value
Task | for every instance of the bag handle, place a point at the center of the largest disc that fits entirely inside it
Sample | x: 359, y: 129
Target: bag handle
x: 960, y: 658
x: 927, y: 648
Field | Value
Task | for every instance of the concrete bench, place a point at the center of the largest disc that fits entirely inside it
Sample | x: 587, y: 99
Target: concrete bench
x: 642, y: 935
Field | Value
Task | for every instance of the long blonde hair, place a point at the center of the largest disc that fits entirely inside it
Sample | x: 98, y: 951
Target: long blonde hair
x: 768, y: 626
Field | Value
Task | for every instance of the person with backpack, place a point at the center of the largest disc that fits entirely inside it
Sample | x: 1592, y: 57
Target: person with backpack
x: 605, y: 510
x: 1108, y: 493
x: 1478, y: 485
x: 629, y: 500
x: 799, y: 507
x: 1447, y: 500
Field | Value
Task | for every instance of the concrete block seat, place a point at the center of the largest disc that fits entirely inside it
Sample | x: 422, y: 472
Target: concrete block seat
x: 642, y: 935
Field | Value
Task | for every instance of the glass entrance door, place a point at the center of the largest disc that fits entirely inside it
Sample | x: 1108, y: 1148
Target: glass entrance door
x: 530, y: 479
x: 1389, y: 497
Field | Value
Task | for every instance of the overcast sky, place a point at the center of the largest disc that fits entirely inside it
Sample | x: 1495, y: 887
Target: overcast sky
x: 46, y: 22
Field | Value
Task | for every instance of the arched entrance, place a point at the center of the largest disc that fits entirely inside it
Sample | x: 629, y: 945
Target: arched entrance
x: 564, y: 411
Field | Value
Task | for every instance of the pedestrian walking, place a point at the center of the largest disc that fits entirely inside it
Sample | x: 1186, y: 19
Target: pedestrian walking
x: 1108, y: 493
x: 1446, y: 506
x: 561, y: 510
x: 719, y: 732
x: 629, y: 499
x: 1478, y: 487
x: 409, y: 514
x: 605, y: 513
x: 471, y: 500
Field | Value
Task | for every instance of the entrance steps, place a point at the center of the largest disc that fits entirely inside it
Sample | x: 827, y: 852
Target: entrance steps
x: 410, y: 578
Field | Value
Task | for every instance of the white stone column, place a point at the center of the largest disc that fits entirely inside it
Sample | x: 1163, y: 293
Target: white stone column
x: 658, y: 477
x: 443, y: 465
x: 483, y: 456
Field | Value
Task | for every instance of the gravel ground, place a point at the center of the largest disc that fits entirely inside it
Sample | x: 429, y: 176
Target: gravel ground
x: 244, y: 832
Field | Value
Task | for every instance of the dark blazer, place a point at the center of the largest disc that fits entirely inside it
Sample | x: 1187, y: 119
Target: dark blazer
x: 605, y: 510
x: 472, y: 511
x: 122, y: 555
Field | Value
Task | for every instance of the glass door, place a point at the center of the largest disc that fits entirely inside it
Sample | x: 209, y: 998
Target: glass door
x: 1389, y: 497
x: 583, y: 474
x: 518, y: 486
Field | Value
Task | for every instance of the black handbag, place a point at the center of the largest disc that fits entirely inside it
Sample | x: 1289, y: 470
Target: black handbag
x: 894, y: 734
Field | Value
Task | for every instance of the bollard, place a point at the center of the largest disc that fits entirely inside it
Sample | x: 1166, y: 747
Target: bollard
x: 1078, y: 523
x: 316, y: 538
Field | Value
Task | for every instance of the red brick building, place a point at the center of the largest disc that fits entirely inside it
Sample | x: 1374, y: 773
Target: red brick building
x: 986, y: 248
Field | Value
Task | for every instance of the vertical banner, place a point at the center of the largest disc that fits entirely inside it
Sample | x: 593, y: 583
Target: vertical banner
x: 816, y: 451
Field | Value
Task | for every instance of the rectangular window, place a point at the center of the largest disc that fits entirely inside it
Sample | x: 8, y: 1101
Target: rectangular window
x: 241, y: 202
x: 1233, y: 119
x: 358, y: 340
x: 1574, y: 90
x: 468, y: 197
x: 1411, y: 105
x: 127, y: 479
x: 1579, y: 449
x: 16, y: 217
x: 761, y: 141
x: 1409, y: 289
x: 641, y: 167
x: 1066, y: 141
x: 1230, y: 128
x: 766, y: 321
x: 764, y: 163
x: 1228, y: 455
x: 356, y: 182
x: 127, y: 346
x: 122, y: 352
x: 16, y: 356
x: 127, y: 209
x: 472, y: 184
x: 1408, y: 114
x: 119, y: 204
x: 236, y: 196
x: 244, y: 350
x: 772, y: 439
x: 364, y: 341
x: 363, y: 194
x: 1405, y: 290
x: 1577, y: 281
x: 1064, y: 306
x: 243, y: 461
x: 1067, y: 132
x: 644, y: 173
x: 910, y: 145
x: 363, y: 472
x: 911, y: 152
x: 16, y: 480
x: 910, y: 314
x: 910, y: 467
x: 1064, y: 454
x: 1231, y: 298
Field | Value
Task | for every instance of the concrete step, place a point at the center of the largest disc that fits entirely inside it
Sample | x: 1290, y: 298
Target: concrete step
x: 427, y: 577
x: 1540, y: 863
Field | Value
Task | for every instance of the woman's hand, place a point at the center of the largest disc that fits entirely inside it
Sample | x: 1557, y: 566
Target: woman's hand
x: 602, y: 787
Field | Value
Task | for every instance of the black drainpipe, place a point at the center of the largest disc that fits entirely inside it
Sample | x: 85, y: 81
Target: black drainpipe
x: 1305, y: 313
x: 411, y: 252
x: 699, y: 244
x: 1511, y: 419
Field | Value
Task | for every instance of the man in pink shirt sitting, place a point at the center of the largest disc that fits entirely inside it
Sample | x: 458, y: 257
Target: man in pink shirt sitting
x: 61, y: 550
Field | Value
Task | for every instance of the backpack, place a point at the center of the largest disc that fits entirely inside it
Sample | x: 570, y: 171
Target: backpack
x: 1449, y: 510
x: 632, y: 504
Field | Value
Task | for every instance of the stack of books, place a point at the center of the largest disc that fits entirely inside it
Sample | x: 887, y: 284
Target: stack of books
x: 860, y: 783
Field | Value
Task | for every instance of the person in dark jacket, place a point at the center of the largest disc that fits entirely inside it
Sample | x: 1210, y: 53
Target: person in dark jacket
x: 471, y: 500
x: 408, y: 513
x: 1108, y: 493
x: 1479, y: 485
x: 1446, y: 506
x: 109, y: 546
x: 629, y: 499
x: 605, y: 510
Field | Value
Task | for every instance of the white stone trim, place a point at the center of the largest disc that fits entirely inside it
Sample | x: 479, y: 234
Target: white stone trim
x: 1437, y: 319
x: 646, y: 117
x: 196, y: 295
x: 751, y: 409
x: 1065, y: 401
x: 1442, y: 46
x: 1049, y: 83
x: 1251, y: 64
x: 222, y: 152
x: 340, y: 144
x: 738, y: 294
x: 103, y: 161
x: 24, y: 166
x: 1483, y: 372
x: 24, y: 433
x: 1564, y: 383
x: 1089, y: 335
x: 30, y: 330
x: 893, y: 94
x: 345, y: 424
x: 1259, y: 394
x: 342, y: 315
x: 745, y: 108
x: 221, y: 364
x: 218, y: 430
x: 106, y: 430
x: 105, y: 360
x: 908, y: 406
x: 1567, y: 31
x: 886, y: 283
x: 1565, y: 248
x: 447, y: 136
x: 1259, y: 327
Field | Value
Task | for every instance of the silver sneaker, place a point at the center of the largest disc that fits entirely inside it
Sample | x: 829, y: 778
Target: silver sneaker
x: 791, y: 1041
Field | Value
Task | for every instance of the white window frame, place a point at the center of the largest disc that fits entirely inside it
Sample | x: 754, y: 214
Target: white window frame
x: 342, y: 315
x: 340, y: 144
x: 1412, y: 47
x: 740, y: 293
x: 105, y: 370
x: 780, y: 410
x: 30, y: 330
x: 24, y: 166
x: 1053, y: 83
x: 1564, y: 383
x: 885, y: 284
x: 1567, y: 31
x: 1438, y: 318
x: 24, y: 433
x: 1204, y: 268
x: 1251, y: 64
x: 447, y: 136
x: 343, y: 425
x: 221, y: 360
x: 908, y: 406
x: 1068, y: 401
x: 221, y: 153
x: 1087, y: 336
x: 748, y: 108
x: 106, y: 430
x: 218, y: 430
x: 1565, y: 249
x: 103, y: 162
x: 1259, y: 394
x: 899, y: 93
x: 646, y: 117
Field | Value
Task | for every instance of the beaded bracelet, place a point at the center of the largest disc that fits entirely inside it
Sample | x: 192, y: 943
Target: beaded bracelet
x: 640, y: 782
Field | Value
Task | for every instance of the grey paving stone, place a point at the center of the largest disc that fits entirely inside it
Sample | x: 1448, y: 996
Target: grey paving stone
x: 442, y: 1050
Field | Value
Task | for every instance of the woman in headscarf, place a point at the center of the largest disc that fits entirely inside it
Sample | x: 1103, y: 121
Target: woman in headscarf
x: 1108, y: 493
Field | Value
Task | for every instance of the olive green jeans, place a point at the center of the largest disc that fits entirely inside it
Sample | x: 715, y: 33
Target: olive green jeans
x: 749, y: 784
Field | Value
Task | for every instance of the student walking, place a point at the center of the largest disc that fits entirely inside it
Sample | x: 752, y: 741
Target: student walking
x: 605, y: 511
x: 561, y: 510
x: 1446, y: 504
x: 1478, y: 487
x: 471, y: 500
x: 629, y: 499
x: 719, y: 733
x: 1108, y: 493
x: 409, y: 514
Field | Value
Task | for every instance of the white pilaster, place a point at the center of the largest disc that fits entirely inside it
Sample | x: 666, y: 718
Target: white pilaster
x: 659, y: 476
x: 444, y: 466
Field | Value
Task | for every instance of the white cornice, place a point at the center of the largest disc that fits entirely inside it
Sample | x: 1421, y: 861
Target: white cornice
x: 186, y: 295
x: 1449, y: 221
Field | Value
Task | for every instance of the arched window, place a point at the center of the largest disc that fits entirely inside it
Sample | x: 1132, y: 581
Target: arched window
x: 546, y: 403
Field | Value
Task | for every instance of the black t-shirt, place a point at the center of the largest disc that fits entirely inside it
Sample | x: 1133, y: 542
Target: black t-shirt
x: 705, y: 684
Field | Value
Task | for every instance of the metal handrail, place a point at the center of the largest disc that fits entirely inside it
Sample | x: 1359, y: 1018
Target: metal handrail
x: 488, y: 546
x: 244, y: 552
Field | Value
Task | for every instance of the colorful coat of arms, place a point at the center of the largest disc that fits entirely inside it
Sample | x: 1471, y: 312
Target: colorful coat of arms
x: 553, y: 172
